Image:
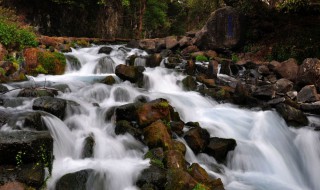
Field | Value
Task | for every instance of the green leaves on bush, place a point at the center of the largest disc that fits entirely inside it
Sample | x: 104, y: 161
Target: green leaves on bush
x: 14, y: 37
x: 201, y: 58
x: 51, y: 63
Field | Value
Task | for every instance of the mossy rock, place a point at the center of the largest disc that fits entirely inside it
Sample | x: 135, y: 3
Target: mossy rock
x: 51, y: 62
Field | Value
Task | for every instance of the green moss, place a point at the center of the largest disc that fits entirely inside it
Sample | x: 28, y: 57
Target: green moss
x: 157, y: 162
x: 202, y: 58
x: 199, y: 186
x: 41, y: 70
x: 2, y: 71
x: 53, y: 63
x: 235, y: 58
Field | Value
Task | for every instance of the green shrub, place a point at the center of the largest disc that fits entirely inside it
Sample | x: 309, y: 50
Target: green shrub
x: 293, y: 6
x: 201, y: 58
x: 14, y: 37
x: 235, y: 58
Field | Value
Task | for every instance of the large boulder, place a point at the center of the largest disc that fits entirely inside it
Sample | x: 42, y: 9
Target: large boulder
x: 219, y: 148
x: 123, y: 127
x: 25, y: 147
x: 308, y: 94
x: 171, y: 42
x: 105, y: 49
x: 130, y: 73
x: 309, y: 73
x: 292, y: 115
x: 197, y: 138
x: 174, y: 160
x: 127, y: 112
x: 265, y: 92
x: 154, y: 60
x: 287, y: 69
x: 189, y: 83
x: 73, y: 61
x: 3, y: 89
x: 37, y: 92
x: 283, y: 85
x: 27, y: 120
x: 222, y: 30
x: 152, y: 111
x: 88, y: 148
x: 55, y: 106
x: 157, y: 135
x: 153, y: 175
x: 313, y: 108
x: 74, y: 181
x: 178, y: 179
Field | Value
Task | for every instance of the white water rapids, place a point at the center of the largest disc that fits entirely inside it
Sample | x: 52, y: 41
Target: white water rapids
x: 269, y: 155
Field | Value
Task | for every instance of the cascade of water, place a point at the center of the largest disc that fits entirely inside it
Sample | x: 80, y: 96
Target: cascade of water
x: 268, y: 155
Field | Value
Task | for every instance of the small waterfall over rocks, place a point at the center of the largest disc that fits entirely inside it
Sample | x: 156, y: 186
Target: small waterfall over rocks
x: 269, y: 155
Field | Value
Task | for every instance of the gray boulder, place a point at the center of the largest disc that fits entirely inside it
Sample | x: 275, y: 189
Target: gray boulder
x: 308, y: 94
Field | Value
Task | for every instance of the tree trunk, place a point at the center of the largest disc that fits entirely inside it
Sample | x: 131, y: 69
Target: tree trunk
x: 141, y: 17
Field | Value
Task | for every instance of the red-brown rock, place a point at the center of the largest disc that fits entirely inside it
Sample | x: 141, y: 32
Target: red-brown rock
x: 156, y: 135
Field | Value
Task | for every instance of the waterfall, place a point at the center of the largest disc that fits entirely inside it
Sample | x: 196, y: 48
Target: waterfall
x: 269, y: 155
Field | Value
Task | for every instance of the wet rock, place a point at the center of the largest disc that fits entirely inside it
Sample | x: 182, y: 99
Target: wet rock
x: 130, y: 60
x: 265, y: 92
x: 105, y: 49
x: 212, y: 69
x: 61, y: 87
x: 55, y: 106
x: 31, y: 175
x: 172, y: 62
x: 153, y: 175
x: 189, y: 84
x: 225, y: 68
x: 209, y: 82
x: 283, y: 85
x: 308, y: 94
x: 292, y: 115
x: 190, y: 67
x: 152, y: 111
x: 3, y: 89
x: 27, y: 120
x: 109, y: 80
x: 28, y: 146
x: 130, y: 73
x: 311, y: 107
x: 123, y: 127
x: 199, y: 174
x: 174, y: 160
x: 219, y: 148
x: 155, y: 154
x: 154, y: 60
x: 88, y: 147
x: 179, y: 146
x: 309, y: 73
x: 197, y: 139
x: 73, y: 62
x: 37, y: 92
x: 74, y: 181
x: 157, y: 135
x: 276, y: 101
x: 287, y: 69
x: 171, y: 42
x: 243, y: 97
x: 180, y: 180
x: 177, y: 127
x: 218, y: 93
x: 127, y: 112
x: 222, y: 30
x: 141, y: 99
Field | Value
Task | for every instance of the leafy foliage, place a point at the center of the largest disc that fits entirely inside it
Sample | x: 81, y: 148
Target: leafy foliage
x: 201, y: 58
x: 293, y: 6
x: 12, y: 35
x: 51, y: 63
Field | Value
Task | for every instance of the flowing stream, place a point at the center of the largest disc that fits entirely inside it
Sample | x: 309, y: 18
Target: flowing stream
x: 269, y: 155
